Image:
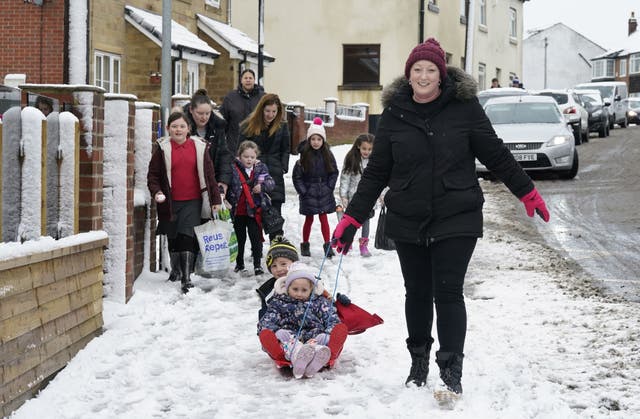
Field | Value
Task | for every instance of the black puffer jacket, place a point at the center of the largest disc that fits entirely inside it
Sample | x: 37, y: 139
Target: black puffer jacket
x: 236, y: 106
x: 216, y: 137
x: 429, y: 165
x: 274, y: 152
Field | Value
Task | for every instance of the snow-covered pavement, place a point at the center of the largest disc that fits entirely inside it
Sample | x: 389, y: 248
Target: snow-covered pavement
x: 541, y: 343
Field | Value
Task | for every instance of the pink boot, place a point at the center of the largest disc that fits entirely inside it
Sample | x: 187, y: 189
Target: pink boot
x: 364, y: 252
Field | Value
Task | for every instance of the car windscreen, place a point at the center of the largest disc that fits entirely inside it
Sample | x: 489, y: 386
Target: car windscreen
x: 591, y: 98
x: 634, y: 104
x: 523, y: 113
x: 605, y: 91
x: 560, y: 98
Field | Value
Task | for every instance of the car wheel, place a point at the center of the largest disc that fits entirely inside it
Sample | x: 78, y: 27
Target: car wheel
x: 624, y: 123
x: 602, y: 132
x: 608, y: 131
x: 571, y: 173
x: 585, y: 135
x: 612, y: 120
x: 577, y: 135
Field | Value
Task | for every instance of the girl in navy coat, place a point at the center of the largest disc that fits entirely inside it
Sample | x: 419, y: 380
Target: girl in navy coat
x: 250, y: 181
x: 314, y: 177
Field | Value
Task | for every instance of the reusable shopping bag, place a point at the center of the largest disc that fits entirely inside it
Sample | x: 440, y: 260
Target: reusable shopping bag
x: 382, y: 241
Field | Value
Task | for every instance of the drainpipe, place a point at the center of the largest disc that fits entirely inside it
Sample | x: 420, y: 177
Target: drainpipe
x: 546, y: 44
x: 421, y: 25
x: 165, y: 63
x: 229, y: 12
x: 468, y: 47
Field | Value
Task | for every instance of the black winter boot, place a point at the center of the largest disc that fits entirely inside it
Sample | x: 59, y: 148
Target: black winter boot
x: 450, y: 364
x: 176, y: 273
x: 305, y: 249
x: 187, y: 260
x: 327, y: 248
x: 419, y: 365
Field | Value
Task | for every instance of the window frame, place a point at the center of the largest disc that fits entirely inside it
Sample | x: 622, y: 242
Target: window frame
x: 623, y: 67
x: 177, y: 77
x: 113, y: 82
x: 482, y: 76
x: 349, y: 55
x: 513, y: 23
x: 483, y: 13
x: 193, y: 78
x: 634, y: 63
x: 604, y: 68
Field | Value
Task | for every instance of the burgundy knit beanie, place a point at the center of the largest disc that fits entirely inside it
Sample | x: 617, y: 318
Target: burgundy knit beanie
x: 428, y: 50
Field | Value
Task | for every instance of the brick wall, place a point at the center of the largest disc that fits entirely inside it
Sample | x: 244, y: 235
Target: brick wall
x: 50, y: 308
x: 35, y: 35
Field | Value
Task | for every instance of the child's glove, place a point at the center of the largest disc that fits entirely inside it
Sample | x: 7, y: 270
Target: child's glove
x: 344, y: 233
x: 284, y: 335
x: 533, y: 202
x: 343, y: 299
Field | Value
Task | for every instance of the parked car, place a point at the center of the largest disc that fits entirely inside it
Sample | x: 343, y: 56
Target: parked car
x: 633, y: 114
x: 485, y: 95
x: 598, y: 113
x: 535, y: 131
x: 575, y: 114
x: 613, y: 93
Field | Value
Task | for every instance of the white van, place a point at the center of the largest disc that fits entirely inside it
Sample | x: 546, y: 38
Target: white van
x: 613, y: 93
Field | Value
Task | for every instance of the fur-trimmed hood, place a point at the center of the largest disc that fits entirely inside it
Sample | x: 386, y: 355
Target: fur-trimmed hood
x: 465, y: 86
x: 280, y: 288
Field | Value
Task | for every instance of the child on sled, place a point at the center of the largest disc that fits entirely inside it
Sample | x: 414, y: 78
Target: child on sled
x: 298, y: 306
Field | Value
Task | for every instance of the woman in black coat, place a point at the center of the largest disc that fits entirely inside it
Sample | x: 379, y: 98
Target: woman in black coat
x: 238, y: 104
x: 208, y: 124
x: 431, y: 131
x: 267, y: 128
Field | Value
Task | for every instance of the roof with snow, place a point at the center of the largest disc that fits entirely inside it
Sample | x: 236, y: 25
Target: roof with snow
x: 238, y: 43
x: 184, y: 43
x: 631, y: 45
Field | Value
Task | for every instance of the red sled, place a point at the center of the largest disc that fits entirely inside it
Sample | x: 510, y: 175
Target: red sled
x: 271, y: 345
x: 355, y: 318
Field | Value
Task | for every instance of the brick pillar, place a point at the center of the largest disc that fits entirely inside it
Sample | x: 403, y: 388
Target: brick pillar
x: 87, y: 104
x: 297, y: 127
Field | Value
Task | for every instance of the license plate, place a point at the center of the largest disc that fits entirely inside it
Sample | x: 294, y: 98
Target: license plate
x: 526, y: 157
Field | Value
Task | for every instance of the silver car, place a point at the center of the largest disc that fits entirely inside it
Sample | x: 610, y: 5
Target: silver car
x: 573, y: 111
x: 535, y: 131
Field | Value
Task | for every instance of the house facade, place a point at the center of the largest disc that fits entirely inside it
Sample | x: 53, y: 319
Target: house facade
x: 116, y: 45
x: 622, y: 63
x: 352, y: 49
x: 558, y: 57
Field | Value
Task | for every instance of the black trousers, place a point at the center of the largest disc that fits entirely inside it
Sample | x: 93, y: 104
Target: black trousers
x: 241, y: 225
x: 435, y: 273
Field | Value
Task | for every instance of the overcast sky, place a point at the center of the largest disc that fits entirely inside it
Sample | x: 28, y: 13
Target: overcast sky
x: 584, y: 16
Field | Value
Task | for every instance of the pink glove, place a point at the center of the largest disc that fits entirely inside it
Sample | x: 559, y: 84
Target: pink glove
x: 344, y: 233
x: 534, y: 202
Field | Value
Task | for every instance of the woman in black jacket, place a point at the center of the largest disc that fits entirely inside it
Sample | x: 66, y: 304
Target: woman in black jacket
x: 266, y: 127
x: 238, y: 104
x: 208, y: 124
x: 431, y: 131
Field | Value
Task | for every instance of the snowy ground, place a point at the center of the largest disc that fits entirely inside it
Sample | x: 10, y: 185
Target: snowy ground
x: 541, y: 343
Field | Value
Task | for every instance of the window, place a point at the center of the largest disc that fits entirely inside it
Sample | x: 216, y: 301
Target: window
x: 361, y: 65
x: 634, y: 64
x: 602, y: 68
x: 193, y: 79
x: 177, y: 77
x: 482, y: 76
x: 463, y: 12
x: 623, y: 67
x: 483, y: 12
x: 513, y: 23
x: 106, y: 71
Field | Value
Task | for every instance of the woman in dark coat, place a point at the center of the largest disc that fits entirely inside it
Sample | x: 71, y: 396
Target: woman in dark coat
x: 267, y: 128
x: 180, y: 171
x: 314, y: 177
x: 238, y: 104
x: 431, y: 131
x: 208, y: 124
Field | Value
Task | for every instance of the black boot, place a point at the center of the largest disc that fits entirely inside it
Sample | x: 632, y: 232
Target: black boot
x: 186, y: 262
x: 305, y: 249
x: 176, y: 273
x: 450, y: 364
x: 419, y: 365
x: 328, y: 251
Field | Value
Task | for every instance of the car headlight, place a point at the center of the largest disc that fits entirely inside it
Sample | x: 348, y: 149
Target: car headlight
x: 633, y: 114
x: 557, y: 140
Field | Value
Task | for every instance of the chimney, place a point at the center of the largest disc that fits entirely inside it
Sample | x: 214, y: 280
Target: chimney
x: 633, y: 24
